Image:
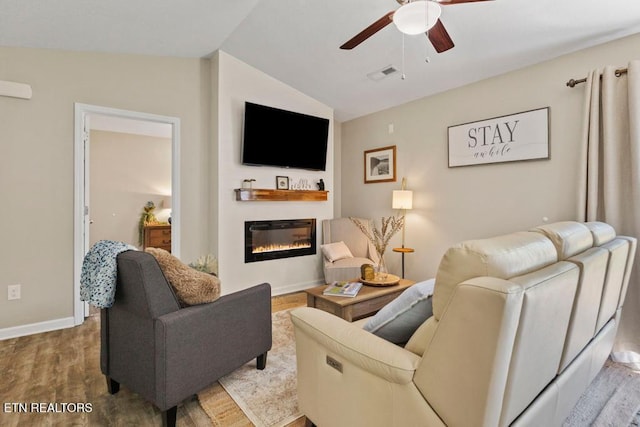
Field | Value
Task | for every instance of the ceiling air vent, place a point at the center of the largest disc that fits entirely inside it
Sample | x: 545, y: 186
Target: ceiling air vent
x: 385, y: 72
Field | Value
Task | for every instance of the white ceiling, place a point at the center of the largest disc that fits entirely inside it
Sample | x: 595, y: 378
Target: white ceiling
x: 296, y: 41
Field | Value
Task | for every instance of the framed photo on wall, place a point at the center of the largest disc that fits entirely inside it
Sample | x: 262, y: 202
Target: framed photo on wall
x: 380, y: 165
x: 282, y: 182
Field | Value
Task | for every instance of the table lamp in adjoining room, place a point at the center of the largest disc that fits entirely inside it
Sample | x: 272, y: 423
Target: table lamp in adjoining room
x: 166, y: 204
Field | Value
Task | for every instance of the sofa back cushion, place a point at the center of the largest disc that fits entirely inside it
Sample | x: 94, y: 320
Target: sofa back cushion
x: 586, y: 305
x: 569, y: 237
x: 622, y: 251
x: 502, y: 257
x: 542, y: 329
x: 612, y: 293
x: 574, y: 243
x: 601, y: 232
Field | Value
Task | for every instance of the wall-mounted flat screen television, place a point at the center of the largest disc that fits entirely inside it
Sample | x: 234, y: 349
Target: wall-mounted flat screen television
x: 275, y: 137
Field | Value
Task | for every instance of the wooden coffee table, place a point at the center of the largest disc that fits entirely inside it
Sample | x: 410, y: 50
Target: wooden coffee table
x: 369, y: 300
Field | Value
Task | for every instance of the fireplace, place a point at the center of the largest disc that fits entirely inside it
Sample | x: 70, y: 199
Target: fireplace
x: 265, y: 240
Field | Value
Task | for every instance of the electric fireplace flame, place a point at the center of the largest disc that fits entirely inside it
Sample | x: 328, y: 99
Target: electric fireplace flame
x: 280, y: 247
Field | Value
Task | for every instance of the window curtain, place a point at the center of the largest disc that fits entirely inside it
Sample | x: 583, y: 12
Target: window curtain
x: 610, y: 180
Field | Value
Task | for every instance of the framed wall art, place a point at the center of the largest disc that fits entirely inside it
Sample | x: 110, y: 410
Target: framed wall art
x: 515, y: 137
x: 380, y: 165
x: 282, y: 182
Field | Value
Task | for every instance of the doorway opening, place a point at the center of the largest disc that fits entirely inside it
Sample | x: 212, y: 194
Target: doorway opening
x: 91, y: 117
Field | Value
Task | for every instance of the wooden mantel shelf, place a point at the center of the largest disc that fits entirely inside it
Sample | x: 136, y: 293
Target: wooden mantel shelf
x: 256, y: 194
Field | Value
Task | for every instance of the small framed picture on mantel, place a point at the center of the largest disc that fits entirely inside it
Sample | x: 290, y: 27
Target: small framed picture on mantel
x: 380, y: 165
x: 282, y: 182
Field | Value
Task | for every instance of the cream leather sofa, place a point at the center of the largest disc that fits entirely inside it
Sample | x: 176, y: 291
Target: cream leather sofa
x: 521, y: 325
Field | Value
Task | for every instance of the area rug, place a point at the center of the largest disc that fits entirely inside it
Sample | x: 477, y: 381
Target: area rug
x: 612, y: 399
x: 268, y: 397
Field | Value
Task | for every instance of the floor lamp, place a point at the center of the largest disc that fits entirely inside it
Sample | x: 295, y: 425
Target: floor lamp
x: 403, y: 200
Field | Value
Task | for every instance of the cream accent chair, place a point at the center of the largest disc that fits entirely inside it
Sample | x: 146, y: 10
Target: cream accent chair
x: 521, y: 325
x: 363, y: 251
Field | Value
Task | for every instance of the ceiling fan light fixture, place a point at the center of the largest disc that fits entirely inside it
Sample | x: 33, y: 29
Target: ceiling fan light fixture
x: 417, y: 17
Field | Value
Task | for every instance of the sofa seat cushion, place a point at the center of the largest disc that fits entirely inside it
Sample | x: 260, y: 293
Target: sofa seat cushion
x: 399, y: 319
x: 190, y: 285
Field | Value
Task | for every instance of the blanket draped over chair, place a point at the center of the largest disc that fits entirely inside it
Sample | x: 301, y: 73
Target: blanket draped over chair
x: 99, y: 273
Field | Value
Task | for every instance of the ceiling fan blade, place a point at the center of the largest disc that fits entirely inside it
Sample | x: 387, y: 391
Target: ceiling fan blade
x: 439, y: 37
x: 447, y: 2
x: 369, y: 31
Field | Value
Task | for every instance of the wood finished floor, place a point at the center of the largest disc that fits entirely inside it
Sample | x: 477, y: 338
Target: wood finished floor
x: 64, y: 367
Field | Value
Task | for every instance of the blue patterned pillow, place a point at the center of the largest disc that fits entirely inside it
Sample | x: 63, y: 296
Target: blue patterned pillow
x: 399, y: 319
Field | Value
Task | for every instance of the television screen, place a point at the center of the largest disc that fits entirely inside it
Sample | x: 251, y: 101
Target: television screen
x: 275, y: 137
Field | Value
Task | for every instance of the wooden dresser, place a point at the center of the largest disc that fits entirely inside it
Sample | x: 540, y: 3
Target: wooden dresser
x: 157, y: 236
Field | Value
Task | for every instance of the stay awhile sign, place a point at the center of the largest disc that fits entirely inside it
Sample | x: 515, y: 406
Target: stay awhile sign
x: 521, y: 136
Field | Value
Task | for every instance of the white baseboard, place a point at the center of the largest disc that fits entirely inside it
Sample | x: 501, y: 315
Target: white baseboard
x: 296, y: 287
x: 36, y: 328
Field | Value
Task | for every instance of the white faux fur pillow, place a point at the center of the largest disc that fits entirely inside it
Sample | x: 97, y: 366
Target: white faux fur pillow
x: 336, y: 251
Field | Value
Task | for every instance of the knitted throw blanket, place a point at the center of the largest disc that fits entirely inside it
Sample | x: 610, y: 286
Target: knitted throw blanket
x: 99, y: 273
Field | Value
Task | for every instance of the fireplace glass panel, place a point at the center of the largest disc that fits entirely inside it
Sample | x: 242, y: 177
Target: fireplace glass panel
x: 265, y: 240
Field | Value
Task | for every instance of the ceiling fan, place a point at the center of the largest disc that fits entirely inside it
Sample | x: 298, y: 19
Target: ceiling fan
x: 413, y: 17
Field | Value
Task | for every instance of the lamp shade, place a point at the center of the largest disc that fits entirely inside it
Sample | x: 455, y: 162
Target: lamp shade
x: 166, y: 202
x: 402, y: 199
x: 417, y: 17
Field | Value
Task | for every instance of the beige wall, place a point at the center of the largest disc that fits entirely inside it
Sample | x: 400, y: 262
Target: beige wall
x: 126, y: 171
x: 473, y: 202
x: 36, y: 161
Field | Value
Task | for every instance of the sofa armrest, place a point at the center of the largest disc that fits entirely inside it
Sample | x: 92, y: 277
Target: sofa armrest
x: 199, y: 344
x: 361, y: 348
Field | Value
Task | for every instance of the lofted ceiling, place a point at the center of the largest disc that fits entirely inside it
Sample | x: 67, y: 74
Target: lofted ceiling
x: 297, y: 41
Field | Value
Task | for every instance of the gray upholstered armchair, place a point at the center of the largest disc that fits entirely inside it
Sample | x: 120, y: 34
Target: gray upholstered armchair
x: 166, y: 353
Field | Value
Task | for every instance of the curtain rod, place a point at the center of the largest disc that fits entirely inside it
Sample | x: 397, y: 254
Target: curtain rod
x: 573, y: 82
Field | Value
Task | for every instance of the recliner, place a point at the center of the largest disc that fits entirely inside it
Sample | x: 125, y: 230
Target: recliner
x: 521, y: 325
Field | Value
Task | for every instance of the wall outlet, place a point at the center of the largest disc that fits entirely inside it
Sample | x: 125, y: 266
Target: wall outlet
x: 13, y: 292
